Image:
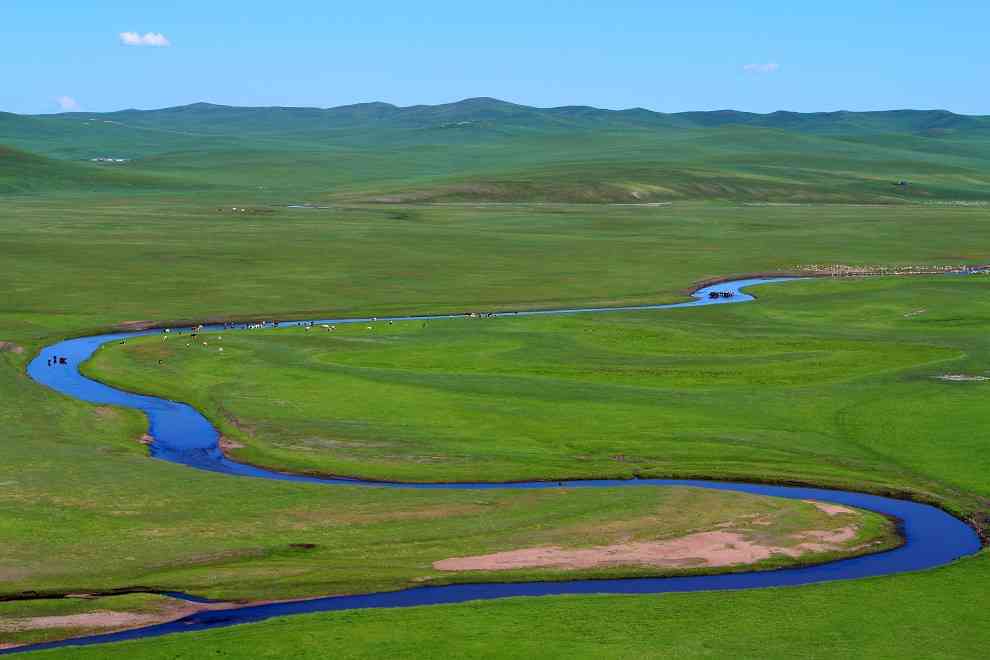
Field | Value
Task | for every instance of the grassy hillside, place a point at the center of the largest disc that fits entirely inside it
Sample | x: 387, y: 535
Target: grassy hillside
x: 489, y: 150
x: 71, y: 138
x: 219, y: 119
x: 23, y: 172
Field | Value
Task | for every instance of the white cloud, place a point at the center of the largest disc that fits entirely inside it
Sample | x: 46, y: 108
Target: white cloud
x: 147, y: 39
x: 67, y: 103
x: 769, y: 67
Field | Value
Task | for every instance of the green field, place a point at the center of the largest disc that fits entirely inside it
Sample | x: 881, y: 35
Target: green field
x: 85, y: 262
x: 929, y: 614
x: 484, y: 150
x: 824, y: 382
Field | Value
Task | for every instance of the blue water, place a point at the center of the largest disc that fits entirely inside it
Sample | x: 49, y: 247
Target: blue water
x: 182, y: 435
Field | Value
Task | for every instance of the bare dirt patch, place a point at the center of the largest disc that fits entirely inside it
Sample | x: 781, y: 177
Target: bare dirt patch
x: 106, y: 620
x: 105, y: 412
x: 14, y: 574
x: 821, y: 541
x: 10, y: 347
x: 99, y: 619
x: 226, y: 444
x: 704, y: 549
x: 830, y: 509
x: 136, y: 325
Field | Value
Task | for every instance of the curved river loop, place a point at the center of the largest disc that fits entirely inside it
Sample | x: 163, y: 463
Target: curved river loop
x: 182, y: 435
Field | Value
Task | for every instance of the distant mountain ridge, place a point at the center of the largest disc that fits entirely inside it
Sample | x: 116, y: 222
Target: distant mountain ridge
x: 216, y: 119
x: 488, y: 150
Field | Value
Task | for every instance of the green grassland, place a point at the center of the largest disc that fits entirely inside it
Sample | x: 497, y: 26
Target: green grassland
x: 100, y: 260
x: 489, y: 151
x: 297, y: 541
x: 929, y: 615
x: 499, y: 207
x: 114, y: 518
x: 822, y: 382
x: 15, y: 616
x: 23, y: 172
x: 85, y: 510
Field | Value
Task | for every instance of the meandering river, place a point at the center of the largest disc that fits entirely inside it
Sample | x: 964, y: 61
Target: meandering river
x: 183, y: 435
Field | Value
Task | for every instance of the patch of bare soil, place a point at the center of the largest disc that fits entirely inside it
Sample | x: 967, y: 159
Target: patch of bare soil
x: 962, y: 378
x: 404, y: 198
x: 136, y: 325
x: 10, y: 347
x: 100, y: 619
x: 105, y: 412
x: 704, y: 549
x: 107, y: 620
x: 830, y: 509
x: 226, y: 444
x: 14, y: 574
x: 822, y: 541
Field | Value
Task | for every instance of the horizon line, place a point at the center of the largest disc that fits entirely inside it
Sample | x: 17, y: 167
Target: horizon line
x: 484, y: 98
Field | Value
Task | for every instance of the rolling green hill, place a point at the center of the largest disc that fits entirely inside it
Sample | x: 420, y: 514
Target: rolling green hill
x: 486, y: 150
x: 24, y: 172
x: 222, y: 120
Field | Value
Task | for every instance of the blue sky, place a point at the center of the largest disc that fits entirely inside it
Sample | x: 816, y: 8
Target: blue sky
x: 757, y: 56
